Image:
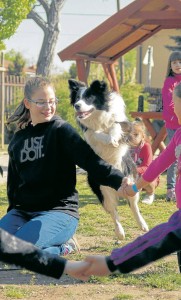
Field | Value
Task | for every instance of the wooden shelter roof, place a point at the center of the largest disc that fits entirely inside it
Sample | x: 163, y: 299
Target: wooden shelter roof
x: 123, y: 31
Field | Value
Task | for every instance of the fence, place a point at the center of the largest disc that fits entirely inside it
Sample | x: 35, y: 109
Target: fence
x: 11, y: 90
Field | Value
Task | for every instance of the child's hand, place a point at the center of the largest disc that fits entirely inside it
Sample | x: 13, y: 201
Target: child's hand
x: 126, y: 191
x: 77, y: 269
x: 97, y: 266
x: 129, y: 191
x: 121, y: 190
x: 125, y: 182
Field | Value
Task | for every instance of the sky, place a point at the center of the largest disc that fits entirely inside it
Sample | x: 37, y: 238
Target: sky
x: 78, y: 17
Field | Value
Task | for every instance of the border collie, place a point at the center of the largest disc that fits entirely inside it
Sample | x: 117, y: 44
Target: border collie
x: 101, y: 115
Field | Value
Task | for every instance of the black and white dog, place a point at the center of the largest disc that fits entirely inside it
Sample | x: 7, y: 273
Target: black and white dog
x: 101, y: 115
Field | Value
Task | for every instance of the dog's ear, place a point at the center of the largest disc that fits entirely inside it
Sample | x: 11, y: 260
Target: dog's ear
x: 74, y: 86
x: 127, y: 129
x: 126, y: 126
x: 99, y: 86
x: 128, y: 132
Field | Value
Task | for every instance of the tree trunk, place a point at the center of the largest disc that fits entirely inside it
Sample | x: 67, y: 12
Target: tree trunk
x: 51, y: 31
x: 47, y: 52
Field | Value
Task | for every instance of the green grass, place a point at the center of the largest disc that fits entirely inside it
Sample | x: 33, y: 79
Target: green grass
x: 95, y: 221
x: 123, y: 297
x: 97, y: 224
x: 96, y: 233
x: 3, y: 200
x: 16, y: 293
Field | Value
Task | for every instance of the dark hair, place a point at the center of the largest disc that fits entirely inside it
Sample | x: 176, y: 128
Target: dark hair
x: 177, y: 90
x: 22, y: 114
x: 175, y: 55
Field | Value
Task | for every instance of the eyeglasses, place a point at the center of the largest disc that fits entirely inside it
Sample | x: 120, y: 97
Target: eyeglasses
x: 41, y: 104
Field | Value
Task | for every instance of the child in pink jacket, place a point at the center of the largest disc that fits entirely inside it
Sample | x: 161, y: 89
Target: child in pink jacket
x: 173, y: 76
x: 142, y: 155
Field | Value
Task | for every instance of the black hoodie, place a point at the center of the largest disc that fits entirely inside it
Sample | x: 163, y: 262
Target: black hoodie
x: 42, y: 167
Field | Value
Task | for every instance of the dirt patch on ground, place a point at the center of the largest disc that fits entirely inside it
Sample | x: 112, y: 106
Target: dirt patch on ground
x: 43, y: 288
x: 35, y: 286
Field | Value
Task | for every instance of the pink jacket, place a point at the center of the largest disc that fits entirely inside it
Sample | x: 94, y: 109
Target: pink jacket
x: 164, y: 160
x: 142, y: 156
x: 169, y: 116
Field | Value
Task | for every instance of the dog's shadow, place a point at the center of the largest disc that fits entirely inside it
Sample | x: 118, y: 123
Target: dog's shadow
x: 85, y: 200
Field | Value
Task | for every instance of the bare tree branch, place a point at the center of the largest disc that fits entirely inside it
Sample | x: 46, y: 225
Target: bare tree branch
x: 51, y: 31
x: 45, y: 5
x: 38, y: 20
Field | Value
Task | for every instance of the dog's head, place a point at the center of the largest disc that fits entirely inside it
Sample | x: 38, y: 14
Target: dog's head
x: 88, y: 99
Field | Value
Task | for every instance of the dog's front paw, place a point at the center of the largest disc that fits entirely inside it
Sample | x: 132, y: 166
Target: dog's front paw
x: 113, y: 141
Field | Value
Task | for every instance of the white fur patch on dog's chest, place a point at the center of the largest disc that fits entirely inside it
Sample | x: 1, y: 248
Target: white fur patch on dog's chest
x: 106, y: 151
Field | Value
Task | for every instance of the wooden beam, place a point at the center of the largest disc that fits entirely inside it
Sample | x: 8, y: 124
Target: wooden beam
x: 174, y: 4
x: 111, y: 76
x: 175, y: 23
x: 158, y: 15
x: 110, y: 60
x: 107, y: 72
x: 117, y: 40
x: 87, y: 57
x: 82, y: 70
x: 136, y: 43
x: 114, y: 78
x: 100, y: 30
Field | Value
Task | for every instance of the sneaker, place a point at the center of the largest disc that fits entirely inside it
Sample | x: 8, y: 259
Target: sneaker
x: 65, y: 249
x: 69, y: 247
x: 148, y: 199
x: 170, y: 196
x: 73, y: 242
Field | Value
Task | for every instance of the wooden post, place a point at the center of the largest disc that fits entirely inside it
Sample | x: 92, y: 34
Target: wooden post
x: 121, y: 59
x: 83, y: 69
x: 111, y: 76
x: 114, y: 78
x: 2, y: 69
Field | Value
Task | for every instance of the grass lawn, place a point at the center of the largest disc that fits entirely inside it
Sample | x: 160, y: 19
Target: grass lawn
x: 96, y: 236
x: 95, y: 224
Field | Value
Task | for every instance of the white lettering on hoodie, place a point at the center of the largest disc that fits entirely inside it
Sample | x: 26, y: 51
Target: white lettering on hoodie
x: 33, y: 149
